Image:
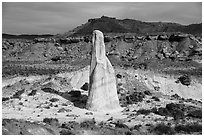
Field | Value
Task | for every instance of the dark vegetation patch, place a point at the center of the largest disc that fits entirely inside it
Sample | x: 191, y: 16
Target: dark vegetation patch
x: 180, y: 67
x: 177, y: 111
x: 162, y: 129
x: 132, y: 98
x: 188, y: 128
x: 75, y: 93
x: 5, y: 99
x: 70, y: 125
x: 12, y: 70
x: 51, y: 121
x: 32, y: 93
x: 144, y: 111
x: 88, y: 124
x: 197, y: 72
x: 66, y: 132
x: 21, y: 127
x: 174, y: 110
x: 195, y: 114
x: 17, y: 127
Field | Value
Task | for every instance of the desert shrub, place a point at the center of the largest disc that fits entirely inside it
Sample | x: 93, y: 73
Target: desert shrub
x: 51, y: 121
x: 162, y: 129
x: 128, y: 133
x: 195, y: 114
x: 5, y: 98
x: 57, y: 58
x: 173, y: 110
x: 176, y: 110
x: 189, y: 128
x: 135, y: 97
x: 66, y: 132
x: 162, y: 111
x: 32, y: 93
x: 143, y: 66
x: 70, y: 125
x: 144, y: 111
x: 137, y: 127
x: 88, y: 123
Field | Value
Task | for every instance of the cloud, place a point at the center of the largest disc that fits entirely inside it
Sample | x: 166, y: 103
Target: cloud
x: 58, y: 17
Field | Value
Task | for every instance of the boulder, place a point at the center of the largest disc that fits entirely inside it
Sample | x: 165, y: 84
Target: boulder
x: 185, y: 80
x: 85, y: 86
x: 162, y: 37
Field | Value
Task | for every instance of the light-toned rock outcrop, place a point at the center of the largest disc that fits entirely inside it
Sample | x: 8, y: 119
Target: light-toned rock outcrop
x: 102, y: 92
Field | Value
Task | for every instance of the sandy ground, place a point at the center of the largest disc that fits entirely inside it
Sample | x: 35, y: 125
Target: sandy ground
x: 55, y: 102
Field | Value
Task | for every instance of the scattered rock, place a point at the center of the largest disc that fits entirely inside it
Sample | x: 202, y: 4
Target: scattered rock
x: 63, y: 110
x: 85, y: 87
x: 18, y: 93
x: 54, y: 100
x: 57, y: 58
x: 176, y: 96
x: 32, y: 93
x: 88, y: 113
x: 185, y: 80
x: 20, y: 103
x: 119, y: 76
x: 155, y: 98
x: 147, y: 92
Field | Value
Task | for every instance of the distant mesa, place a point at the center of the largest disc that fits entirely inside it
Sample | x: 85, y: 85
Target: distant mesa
x: 112, y: 25
x: 25, y: 36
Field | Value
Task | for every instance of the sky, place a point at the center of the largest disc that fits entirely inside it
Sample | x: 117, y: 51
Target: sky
x: 55, y: 18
